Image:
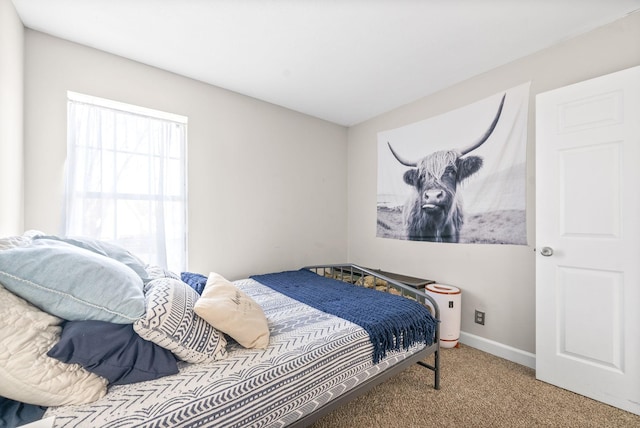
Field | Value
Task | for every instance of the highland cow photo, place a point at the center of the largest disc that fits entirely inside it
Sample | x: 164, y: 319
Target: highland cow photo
x: 459, y: 177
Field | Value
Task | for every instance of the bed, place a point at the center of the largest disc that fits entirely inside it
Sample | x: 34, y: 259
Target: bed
x: 307, y: 363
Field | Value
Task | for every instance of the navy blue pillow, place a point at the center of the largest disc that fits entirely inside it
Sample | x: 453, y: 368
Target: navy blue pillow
x: 113, y: 351
x: 194, y: 280
x: 14, y: 413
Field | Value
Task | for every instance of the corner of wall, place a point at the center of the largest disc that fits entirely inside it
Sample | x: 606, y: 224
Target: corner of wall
x: 499, y: 349
x: 11, y: 120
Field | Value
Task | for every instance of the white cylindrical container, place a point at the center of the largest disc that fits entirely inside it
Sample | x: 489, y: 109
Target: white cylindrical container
x: 449, y: 300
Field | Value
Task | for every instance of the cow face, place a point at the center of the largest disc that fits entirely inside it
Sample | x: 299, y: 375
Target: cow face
x: 437, y: 177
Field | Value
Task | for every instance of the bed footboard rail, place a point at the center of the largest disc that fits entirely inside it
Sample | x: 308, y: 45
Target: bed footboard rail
x: 359, y: 275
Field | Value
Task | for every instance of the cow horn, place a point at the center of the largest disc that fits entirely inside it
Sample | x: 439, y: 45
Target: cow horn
x: 400, y: 159
x: 487, y: 134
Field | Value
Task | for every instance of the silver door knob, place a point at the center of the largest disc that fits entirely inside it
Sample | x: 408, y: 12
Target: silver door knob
x: 546, y: 251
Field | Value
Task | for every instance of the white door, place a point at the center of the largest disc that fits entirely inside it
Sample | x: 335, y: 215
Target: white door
x: 588, y: 238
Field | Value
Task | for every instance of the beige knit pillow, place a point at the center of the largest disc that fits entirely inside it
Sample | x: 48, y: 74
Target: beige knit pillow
x: 231, y: 311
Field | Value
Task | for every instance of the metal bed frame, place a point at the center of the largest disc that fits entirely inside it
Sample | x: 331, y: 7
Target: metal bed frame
x: 352, y: 273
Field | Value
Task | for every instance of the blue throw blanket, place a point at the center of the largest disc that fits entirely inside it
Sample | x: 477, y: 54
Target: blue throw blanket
x: 392, y: 322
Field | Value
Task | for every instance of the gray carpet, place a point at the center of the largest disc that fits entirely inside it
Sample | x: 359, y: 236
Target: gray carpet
x: 477, y: 390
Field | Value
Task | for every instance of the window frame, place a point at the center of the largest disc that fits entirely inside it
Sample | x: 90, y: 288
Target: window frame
x: 114, y: 195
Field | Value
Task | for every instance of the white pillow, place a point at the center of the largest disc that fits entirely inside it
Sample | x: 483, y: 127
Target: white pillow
x: 231, y: 311
x: 27, y: 374
x: 155, y: 272
x: 18, y: 241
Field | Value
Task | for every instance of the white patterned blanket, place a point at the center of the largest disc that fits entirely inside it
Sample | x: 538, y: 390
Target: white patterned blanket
x: 312, y: 358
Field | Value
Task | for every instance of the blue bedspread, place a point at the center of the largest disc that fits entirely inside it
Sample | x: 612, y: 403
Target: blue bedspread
x: 392, y: 322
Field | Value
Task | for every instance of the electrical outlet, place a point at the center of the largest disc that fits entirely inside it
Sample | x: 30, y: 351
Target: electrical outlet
x: 479, y: 317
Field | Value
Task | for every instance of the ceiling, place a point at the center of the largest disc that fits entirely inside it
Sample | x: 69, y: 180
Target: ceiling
x: 344, y: 61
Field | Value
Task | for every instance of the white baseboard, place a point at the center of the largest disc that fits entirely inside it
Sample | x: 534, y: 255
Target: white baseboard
x: 498, y: 349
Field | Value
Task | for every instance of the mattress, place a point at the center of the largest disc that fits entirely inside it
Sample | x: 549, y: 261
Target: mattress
x: 312, y: 357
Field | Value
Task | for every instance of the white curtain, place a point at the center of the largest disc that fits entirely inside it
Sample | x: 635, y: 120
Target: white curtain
x: 126, y: 181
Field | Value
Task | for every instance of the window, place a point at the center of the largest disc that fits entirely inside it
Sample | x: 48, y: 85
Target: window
x: 126, y: 178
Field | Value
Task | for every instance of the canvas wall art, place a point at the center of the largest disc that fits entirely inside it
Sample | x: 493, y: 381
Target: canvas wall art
x: 459, y: 177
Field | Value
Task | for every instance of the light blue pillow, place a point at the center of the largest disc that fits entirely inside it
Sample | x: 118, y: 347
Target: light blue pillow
x: 73, y: 283
x: 106, y: 249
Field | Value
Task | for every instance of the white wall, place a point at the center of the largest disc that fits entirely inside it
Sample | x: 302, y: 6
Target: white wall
x: 11, y: 119
x: 267, y: 186
x: 499, y: 279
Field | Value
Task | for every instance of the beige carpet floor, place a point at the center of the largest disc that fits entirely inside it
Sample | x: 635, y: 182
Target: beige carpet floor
x: 477, y: 390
